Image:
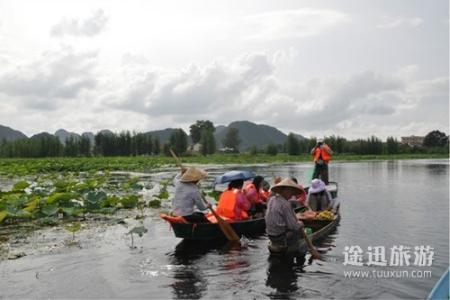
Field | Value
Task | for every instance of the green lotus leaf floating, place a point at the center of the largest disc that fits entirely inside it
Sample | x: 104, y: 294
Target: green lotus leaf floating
x: 20, y: 186
x: 94, y: 199
x: 3, y: 215
x: 129, y: 201
x: 50, y: 210
x: 139, y: 230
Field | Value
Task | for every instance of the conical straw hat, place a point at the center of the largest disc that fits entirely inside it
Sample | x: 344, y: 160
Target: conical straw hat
x: 287, y: 182
x: 193, y: 174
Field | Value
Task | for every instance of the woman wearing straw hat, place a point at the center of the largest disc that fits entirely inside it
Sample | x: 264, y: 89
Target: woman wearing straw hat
x: 188, y: 196
x: 318, y: 198
x: 282, y: 226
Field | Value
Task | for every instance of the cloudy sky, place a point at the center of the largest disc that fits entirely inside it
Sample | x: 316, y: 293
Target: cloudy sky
x: 350, y: 68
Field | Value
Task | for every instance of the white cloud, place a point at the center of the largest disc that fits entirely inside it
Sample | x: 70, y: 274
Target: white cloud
x: 49, y: 79
x: 388, y: 23
x: 290, y: 23
x: 91, y: 26
x: 248, y: 88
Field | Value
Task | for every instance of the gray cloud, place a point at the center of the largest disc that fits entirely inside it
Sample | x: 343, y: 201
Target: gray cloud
x: 388, y: 23
x: 249, y: 88
x: 53, y: 77
x: 89, y: 27
x: 200, y: 90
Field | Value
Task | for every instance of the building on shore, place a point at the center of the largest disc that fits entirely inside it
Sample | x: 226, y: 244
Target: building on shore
x: 412, y: 140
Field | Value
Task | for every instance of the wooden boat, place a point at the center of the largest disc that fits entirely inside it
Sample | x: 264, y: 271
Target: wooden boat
x: 332, y: 187
x: 441, y: 290
x: 211, y: 231
x: 319, y: 228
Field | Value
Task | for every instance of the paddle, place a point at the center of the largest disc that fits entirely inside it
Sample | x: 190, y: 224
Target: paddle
x: 226, y: 228
x: 308, y: 175
x: 314, y: 253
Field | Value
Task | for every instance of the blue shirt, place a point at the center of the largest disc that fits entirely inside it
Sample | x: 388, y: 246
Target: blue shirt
x: 187, y: 197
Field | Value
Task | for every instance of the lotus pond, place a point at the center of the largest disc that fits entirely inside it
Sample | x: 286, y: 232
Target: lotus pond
x: 97, y: 234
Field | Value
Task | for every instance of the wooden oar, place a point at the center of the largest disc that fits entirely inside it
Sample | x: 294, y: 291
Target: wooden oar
x: 226, y: 228
x: 314, y: 253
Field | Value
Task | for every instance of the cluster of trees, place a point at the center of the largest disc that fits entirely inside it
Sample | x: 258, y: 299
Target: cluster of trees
x: 105, y: 144
x: 434, y: 141
x: 202, y: 132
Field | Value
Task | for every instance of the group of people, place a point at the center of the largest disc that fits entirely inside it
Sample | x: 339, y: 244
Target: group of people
x: 242, y: 200
x: 237, y: 202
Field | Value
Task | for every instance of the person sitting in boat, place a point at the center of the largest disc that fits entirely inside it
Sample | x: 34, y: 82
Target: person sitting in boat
x: 282, y: 226
x: 322, y: 155
x: 188, y: 196
x: 318, y: 198
x: 232, y: 202
x: 253, y: 193
x: 299, y: 200
x: 265, y: 191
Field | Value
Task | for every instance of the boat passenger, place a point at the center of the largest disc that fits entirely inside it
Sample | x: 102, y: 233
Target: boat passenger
x: 318, y: 198
x: 299, y: 200
x: 282, y: 226
x: 253, y: 193
x: 188, y: 196
x: 265, y: 191
x: 232, y: 203
x: 322, y: 155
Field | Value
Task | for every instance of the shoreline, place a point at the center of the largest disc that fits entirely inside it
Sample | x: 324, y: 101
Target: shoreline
x: 29, y: 166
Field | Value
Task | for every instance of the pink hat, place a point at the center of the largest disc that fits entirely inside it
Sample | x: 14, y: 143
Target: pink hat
x: 317, y: 186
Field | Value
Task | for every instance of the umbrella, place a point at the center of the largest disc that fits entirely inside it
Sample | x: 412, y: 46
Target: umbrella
x: 234, y: 175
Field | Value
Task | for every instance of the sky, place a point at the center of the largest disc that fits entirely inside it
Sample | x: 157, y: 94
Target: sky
x: 317, y: 68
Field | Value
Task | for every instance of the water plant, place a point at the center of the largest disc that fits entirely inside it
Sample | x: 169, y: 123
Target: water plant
x: 139, y: 230
x: 73, y: 228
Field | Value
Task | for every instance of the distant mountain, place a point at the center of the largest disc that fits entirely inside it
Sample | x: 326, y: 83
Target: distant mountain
x: 106, y: 131
x: 250, y: 133
x: 63, y: 135
x: 42, y: 135
x: 90, y: 136
x: 10, y: 134
x: 220, y: 128
x: 162, y: 135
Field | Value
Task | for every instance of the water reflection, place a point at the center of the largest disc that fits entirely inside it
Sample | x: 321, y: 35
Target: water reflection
x: 437, y: 169
x: 282, y: 275
x: 189, y: 280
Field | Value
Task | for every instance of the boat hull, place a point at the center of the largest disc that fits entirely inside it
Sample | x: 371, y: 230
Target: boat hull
x: 211, y: 231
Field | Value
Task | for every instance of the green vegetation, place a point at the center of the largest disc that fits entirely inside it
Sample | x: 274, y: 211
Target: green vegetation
x: 30, y: 166
x: 69, y: 197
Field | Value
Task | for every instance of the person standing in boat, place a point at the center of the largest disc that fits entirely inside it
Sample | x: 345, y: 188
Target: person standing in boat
x: 282, y: 226
x: 318, y: 198
x: 188, y: 196
x: 232, y: 202
x: 322, y: 155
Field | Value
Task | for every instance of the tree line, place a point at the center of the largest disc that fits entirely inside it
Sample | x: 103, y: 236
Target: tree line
x: 201, y: 133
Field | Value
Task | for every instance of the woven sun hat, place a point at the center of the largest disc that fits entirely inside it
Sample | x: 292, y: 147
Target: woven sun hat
x: 317, y: 186
x: 193, y: 174
x: 287, y: 182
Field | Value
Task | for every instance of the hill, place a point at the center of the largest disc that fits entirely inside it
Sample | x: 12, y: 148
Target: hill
x: 10, y: 134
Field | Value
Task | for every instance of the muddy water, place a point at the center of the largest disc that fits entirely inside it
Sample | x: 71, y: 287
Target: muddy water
x: 383, y: 204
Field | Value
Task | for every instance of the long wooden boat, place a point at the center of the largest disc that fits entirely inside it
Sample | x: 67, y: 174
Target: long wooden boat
x: 319, y: 230
x: 248, y: 228
x: 441, y: 290
x: 211, y: 231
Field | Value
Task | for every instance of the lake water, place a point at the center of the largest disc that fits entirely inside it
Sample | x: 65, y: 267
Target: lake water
x: 386, y: 204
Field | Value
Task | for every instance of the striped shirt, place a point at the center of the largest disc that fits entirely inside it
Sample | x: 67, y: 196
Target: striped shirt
x: 280, y: 216
x: 187, y: 197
